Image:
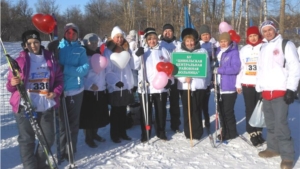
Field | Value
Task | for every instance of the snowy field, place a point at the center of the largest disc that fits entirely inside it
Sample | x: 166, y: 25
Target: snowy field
x: 176, y: 153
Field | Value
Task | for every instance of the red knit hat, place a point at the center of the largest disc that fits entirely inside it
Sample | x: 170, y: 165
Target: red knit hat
x: 253, y: 30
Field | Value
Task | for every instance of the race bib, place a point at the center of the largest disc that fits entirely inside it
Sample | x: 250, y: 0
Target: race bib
x: 251, y: 66
x: 39, y: 83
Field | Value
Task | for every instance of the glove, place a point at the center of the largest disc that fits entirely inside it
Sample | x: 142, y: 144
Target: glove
x: 289, y: 97
x: 168, y: 84
x: 140, y: 51
x: 111, y: 45
x: 134, y: 89
x: 215, y: 70
x: 120, y: 84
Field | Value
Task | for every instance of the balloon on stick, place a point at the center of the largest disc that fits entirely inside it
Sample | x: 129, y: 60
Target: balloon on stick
x: 44, y: 23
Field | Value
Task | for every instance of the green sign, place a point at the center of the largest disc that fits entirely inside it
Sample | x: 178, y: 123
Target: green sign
x: 189, y: 64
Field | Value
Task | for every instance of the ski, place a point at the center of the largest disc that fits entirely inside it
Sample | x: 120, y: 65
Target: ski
x: 29, y: 111
x: 211, y: 139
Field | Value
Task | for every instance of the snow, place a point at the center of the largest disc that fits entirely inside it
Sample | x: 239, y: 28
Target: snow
x: 174, y: 153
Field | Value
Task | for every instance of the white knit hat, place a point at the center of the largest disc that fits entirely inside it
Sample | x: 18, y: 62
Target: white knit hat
x: 116, y: 30
x: 268, y: 23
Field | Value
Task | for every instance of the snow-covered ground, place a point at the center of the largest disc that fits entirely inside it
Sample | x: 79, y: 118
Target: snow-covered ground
x: 175, y: 153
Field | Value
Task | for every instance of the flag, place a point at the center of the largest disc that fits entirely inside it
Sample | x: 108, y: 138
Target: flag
x: 187, y: 19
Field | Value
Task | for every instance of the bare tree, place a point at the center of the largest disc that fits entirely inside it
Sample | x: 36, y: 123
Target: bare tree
x: 238, y: 25
x: 223, y: 10
x: 233, y: 14
x: 47, y: 6
x: 282, y: 17
x: 265, y: 9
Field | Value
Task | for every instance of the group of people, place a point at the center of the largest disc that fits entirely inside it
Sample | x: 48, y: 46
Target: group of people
x: 262, y: 69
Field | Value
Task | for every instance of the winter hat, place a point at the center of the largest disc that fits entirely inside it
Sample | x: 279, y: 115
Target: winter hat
x: 204, y: 29
x: 89, y: 38
x: 225, y: 36
x: 71, y: 26
x: 149, y: 31
x: 132, y: 33
x: 30, y: 34
x: 189, y: 31
x: 253, y: 30
x: 168, y: 26
x: 268, y: 23
x: 116, y: 30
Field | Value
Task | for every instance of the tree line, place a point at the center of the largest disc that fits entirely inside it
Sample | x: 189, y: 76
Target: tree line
x: 100, y: 16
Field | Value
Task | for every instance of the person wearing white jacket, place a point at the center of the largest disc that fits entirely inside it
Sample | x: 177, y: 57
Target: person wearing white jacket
x: 278, y: 74
x: 198, y: 86
x: 120, y: 82
x: 169, y: 42
x: 94, y: 110
x: 246, y: 80
x: 152, y: 55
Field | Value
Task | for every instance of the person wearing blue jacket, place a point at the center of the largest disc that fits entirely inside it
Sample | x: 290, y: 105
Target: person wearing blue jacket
x: 229, y: 67
x: 73, y: 59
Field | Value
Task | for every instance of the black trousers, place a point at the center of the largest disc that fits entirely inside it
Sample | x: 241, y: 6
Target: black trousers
x: 227, y: 118
x: 174, y: 106
x: 118, y: 122
x: 159, y: 100
x: 205, y: 107
x: 196, y: 102
x: 250, y: 98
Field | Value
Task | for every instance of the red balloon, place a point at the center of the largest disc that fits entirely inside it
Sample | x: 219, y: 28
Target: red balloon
x: 166, y: 67
x: 232, y: 32
x: 44, y: 23
x: 236, y: 38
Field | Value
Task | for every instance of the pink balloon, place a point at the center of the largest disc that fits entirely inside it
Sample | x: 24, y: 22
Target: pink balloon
x: 224, y: 27
x: 98, y: 62
x: 160, y: 80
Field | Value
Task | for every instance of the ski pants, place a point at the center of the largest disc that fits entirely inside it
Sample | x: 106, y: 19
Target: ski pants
x: 118, y: 122
x: 73, y: 104
x: 174, y: 106
x: 26, y: 138
x: 251, y: 98
x: 196, y: 102
x: 227, y: 117
x: 159, y: 100
x: 278, y: 133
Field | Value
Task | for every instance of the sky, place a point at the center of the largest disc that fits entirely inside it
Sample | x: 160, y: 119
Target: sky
x: 176, y: 153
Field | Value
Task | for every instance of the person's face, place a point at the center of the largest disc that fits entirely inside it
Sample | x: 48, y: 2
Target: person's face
x: 224, y: 43
x: 205, y: 37
x: 118, y: 39
x: 190, y: 43
x: 71, y: 35
x: 33, y: 45
x: 253, y: 38
x: 152, y: 40
x: 168, y: 33
x: 92, y: 45
x: 268, y: 32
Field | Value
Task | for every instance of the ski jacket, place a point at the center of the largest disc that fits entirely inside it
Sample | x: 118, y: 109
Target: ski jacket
x: 230, y: 65
x: 73, y: 58
x: 276, y: 70
x: 196, y: 82
x: 55, y: 83
x: 249, y: 57
x: 114, y: 74
x: 94, y: 78
x: 152, y: 56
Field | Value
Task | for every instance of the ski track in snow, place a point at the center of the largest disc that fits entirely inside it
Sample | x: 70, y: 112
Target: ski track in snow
x: 174, y: 153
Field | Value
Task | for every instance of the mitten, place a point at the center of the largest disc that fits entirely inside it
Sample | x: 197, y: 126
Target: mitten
x: 120, y: 84
x: 140, y: 51
x: 289, y: 96
x: 168, y: 84
x: 111, y: 45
